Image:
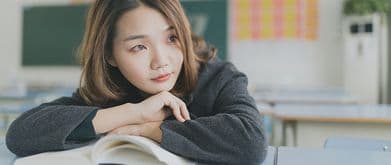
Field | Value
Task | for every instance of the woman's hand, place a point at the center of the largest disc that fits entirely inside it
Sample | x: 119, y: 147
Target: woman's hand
x: 149, y: 130
x: 153, y: 109
x: 160, y: 106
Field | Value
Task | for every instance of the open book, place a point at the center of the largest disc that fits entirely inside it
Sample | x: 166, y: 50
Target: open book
x: 111, y: 149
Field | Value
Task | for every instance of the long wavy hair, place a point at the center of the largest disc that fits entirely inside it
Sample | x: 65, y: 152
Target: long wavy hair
x: 100, y: 83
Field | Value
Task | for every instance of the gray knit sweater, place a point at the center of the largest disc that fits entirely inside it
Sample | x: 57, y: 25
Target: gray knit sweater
x: 226, y: 127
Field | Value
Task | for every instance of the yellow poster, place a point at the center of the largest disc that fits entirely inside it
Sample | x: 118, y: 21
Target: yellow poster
x: 275, y: 19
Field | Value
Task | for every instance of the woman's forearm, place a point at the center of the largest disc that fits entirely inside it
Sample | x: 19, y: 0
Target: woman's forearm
x: 114, y: 117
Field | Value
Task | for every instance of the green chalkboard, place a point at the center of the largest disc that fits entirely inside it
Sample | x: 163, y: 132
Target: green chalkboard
x: 52, y: 34
x: 209, y: 20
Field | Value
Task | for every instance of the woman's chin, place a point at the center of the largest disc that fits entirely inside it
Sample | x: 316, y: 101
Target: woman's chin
x: 159, y: 88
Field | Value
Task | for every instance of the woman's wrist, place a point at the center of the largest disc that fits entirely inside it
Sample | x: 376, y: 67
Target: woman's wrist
x: 134, y: 113
x: 110, y: 118
x: 139, y: 112
x: 152, y: 131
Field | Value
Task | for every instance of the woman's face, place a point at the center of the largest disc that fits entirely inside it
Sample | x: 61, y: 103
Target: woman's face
x: 146, y: 50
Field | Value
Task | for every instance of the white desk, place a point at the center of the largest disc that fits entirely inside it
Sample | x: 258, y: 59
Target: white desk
x: 6, y: 157
x: 311, y: 125
x: 273, y: 97
x: 306, y: 156
x: 270, y: 157
x: 308, y: 96
x: 358, y: 144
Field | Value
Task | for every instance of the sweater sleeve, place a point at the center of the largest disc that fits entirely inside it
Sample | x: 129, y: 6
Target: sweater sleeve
x: 234, y: 135
x: 48, y: 126
x: 85, y: 130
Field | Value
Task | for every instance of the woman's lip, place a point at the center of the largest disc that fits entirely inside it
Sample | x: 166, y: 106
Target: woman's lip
x: 162, y: 78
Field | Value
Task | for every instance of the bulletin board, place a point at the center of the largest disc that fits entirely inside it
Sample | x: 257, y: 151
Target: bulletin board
x: 274, y: 19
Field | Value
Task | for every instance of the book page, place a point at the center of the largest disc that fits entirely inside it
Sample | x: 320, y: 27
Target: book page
x: 133, y: 149
x: 127, y: 154
x: 74, y: 156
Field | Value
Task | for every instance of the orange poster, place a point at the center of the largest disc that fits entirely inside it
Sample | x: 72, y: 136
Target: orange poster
x: 275, y: 19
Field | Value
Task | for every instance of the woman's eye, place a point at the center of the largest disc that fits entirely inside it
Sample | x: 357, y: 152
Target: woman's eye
x: 173, y: 38
x: 138, y: 48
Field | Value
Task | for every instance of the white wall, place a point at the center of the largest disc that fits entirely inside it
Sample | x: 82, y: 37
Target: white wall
x: 288, y: 63
x: 293, y: 63
x: 9, y: 41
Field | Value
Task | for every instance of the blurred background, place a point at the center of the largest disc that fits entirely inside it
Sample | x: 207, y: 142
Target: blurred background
x: 317, y: 68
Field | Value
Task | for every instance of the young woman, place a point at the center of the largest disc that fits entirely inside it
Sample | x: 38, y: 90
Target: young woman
x: 141, y: 65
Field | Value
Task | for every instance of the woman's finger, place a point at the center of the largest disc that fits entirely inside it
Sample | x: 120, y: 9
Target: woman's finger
x: 182, y: 107
x: 184, y: 111
x: 176, y: 110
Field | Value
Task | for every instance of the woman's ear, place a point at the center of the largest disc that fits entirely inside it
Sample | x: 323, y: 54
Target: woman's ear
x: 112, y: 62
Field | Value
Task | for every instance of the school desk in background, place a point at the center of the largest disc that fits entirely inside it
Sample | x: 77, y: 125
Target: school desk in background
x: 267, y: 97
x: 310, y: 125
x: 11, y: 106
x: 275, y: 96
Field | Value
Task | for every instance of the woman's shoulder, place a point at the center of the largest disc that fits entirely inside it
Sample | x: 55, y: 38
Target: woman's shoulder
x: 74, y: 99
x: 219, y: 68
x: 216, y: 73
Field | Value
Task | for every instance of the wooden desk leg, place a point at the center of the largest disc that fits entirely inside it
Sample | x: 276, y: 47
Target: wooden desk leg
x: 294, y: 130
x: 272, y: 139
x: 284, y: 125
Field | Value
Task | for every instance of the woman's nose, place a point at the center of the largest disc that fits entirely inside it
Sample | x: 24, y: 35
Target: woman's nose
x: 159, y: 59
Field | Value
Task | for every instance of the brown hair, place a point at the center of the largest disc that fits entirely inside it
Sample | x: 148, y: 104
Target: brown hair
x: 100, y: 83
